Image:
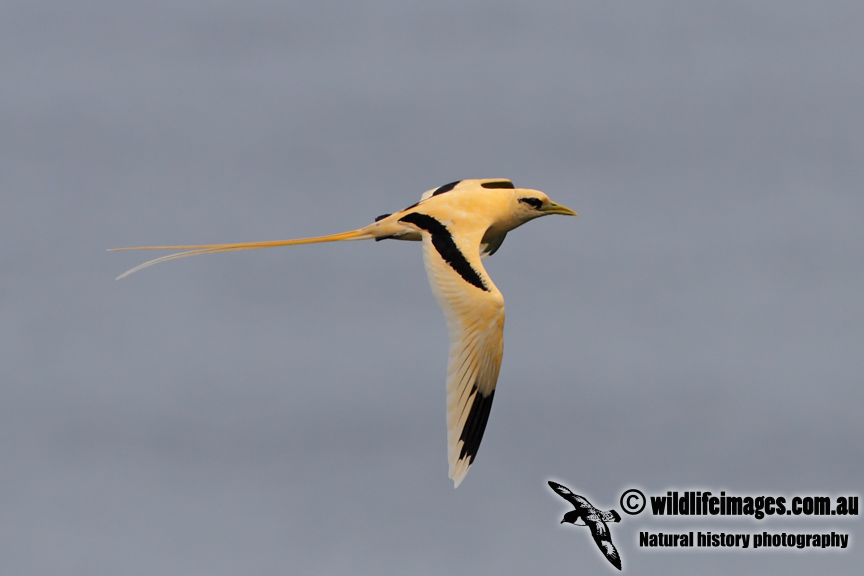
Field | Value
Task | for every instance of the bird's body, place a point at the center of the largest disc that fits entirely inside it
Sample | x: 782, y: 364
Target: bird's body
x: 585, y: 514
x: 459, y: 224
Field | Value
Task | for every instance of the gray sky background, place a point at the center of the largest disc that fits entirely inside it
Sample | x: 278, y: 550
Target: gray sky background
x: 699, y: 325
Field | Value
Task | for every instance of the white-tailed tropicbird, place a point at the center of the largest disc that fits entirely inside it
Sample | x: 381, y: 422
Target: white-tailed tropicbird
x: 459, y: 224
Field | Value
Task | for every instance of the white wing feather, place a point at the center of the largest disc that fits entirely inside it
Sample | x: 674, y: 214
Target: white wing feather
x: 475, y: 320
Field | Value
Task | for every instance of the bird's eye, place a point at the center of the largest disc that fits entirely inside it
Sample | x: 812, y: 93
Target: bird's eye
x: 535, y: 203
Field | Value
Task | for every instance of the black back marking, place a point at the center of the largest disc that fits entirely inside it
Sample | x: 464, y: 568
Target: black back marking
x: 535, y: 203
x: 445, y: 188
x: 498, y: 184
x: 475, y: 424
x: 443, y: 242
x: 381, y: 217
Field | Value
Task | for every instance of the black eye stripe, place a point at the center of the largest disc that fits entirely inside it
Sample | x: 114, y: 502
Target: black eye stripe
x: 535, y: 203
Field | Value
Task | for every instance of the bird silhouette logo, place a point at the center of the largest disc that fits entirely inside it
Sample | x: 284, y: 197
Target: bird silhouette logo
x: 585, y: 514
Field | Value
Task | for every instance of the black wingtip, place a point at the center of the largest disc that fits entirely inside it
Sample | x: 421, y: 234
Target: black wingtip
x: 475, y: 424
x: 610, y: 552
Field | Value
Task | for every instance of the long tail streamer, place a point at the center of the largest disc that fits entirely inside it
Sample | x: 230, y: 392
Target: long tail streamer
x: 215, y: 248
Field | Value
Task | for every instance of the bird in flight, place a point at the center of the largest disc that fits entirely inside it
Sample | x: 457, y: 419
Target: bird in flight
x: 585, y: 514
x: 459, y: 224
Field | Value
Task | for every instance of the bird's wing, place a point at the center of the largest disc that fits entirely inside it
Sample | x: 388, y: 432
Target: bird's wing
x: 491, y: 246
x: 474, y: 309
x: 578, y: 501
x: 610, y: 516
x: 603, y: 538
